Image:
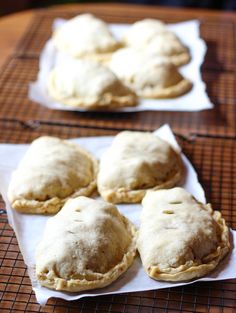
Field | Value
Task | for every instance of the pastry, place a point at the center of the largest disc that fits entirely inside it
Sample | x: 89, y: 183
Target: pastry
x: 85, y: 36
x: 180, y: 238
x: 156, y: 39
x: 51, y: 171
x: 85, y: 84
x: 148, y: 75
x: 87, y: 245
x: 135, y: 163
x: 142, y: 32
x: 168, y: 45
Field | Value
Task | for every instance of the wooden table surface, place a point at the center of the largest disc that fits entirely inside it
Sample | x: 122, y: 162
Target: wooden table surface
x: 206, y: 137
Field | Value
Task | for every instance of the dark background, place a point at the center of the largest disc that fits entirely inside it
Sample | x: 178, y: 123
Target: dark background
x: 10, y: 6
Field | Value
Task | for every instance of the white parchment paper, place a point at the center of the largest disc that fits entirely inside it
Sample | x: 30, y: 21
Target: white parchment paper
x: 195, y: 100
x: 29, y: 228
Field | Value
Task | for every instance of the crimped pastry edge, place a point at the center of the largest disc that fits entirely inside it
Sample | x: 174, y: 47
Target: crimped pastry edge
x: 103, y: 280
x: 125, y: 195
x: 106, y: 101
x: 175, y: 91
x: 180, y: 59
x: 54, y: 204
x: 186, y: 272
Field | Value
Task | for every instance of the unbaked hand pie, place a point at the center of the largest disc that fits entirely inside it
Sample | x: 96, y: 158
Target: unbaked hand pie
x: 156, y: 39
x: 148, y: 75
x: 168, y: 45
x: 85, y: 36
x: 88, y: 85
x: 87, y: 245
x: 135, y: 163
x: 180, y: 238
x: 142, y: 32
x: 51, y: 171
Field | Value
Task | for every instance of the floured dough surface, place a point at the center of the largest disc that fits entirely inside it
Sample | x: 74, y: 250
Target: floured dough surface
x: 142, y: 32
x: 88, y: 85
x: 85, y: 36
x: 180, y: 238
x: 168, y: 45
x: 135, y: 163
x: 155, y: 38
x: 150, y: 76
x: 51, y: 171
x: 87, y: 245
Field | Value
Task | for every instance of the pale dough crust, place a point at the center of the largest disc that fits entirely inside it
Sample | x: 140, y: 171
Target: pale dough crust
x: 85, y: 84
x: 180, y: 59
x: 169, y: 46
x: 156, y: 39
x: 85, y: 36
x: 87, y: 245
x: 141, y: 32
x: 180, y: 238
x: 148, y: 75
x: 137, y: 162
x: 51, y: 172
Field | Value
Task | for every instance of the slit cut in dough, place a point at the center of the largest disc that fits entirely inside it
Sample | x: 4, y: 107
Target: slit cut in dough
x: 51, y: 171
x: 85, y: 84
x: 179, y: 238
x: 137, y: 162
x: 87, y: 245
x: 85, y: 36
x: 148, y: 75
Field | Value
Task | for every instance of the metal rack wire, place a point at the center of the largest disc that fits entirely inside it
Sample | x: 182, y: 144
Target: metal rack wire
x: 14, y: 103
x: 220, y: 42
x: 214, y: 160
x: 207, y: 138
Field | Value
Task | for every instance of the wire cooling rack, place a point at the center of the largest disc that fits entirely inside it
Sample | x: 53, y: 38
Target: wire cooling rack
x: 217, y: 31
x: 207, y: 138
x: 218, y: 73
x: 20, y: 71
x: 214, y: 160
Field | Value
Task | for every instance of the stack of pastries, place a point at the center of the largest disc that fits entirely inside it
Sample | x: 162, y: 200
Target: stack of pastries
x: 88, y: 243
x: 104, y: 73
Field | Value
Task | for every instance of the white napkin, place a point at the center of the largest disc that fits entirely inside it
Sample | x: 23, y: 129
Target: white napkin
x: 195, y: 100
x: 29, y: 228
